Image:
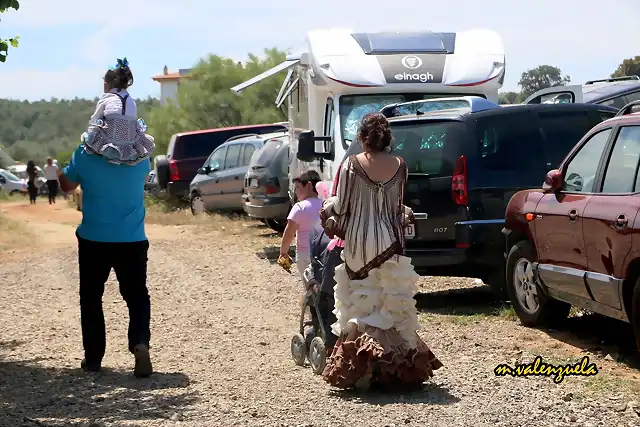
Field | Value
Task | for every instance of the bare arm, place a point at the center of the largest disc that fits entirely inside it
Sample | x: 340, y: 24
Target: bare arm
x: 66, y: 185
x: 287, y: 237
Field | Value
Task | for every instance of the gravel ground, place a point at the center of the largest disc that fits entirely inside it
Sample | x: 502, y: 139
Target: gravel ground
x: 222, y: 320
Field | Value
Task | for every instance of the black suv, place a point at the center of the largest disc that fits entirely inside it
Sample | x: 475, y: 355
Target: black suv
x: 464, y: 166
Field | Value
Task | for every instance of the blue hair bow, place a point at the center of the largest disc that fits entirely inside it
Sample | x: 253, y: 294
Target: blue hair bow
x: 122, y: 63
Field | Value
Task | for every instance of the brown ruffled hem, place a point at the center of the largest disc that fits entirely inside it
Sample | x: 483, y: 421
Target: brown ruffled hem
x: 384, y: 355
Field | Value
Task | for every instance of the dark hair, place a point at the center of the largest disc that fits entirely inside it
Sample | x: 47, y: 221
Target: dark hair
x: 309, y: 177
x: 119, y: 77
x: 374, y: 132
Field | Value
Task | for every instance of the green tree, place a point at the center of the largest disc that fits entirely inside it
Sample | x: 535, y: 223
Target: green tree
x: 629, y: 67
x: 510, y: 98
x: 205, y: 101
x: 13, y: 41
x: 37, y: 130
x: 541, y: 77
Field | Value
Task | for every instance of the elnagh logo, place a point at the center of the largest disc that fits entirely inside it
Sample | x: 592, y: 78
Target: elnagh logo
x: 420, y: 77
x: 411, y: 62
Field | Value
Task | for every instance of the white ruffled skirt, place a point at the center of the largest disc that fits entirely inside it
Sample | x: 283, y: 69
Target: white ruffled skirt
x: 377, y: 322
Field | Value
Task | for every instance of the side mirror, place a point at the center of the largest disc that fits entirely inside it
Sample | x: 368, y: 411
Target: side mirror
x: 3, y: 180
x: 311, y: 147
x: 553, y: 181
x: 202, y: 170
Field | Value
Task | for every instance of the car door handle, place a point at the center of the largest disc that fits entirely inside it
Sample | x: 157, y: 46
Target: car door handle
x: 573, y: 214
x: 622, y: 221
x: 237, y: 178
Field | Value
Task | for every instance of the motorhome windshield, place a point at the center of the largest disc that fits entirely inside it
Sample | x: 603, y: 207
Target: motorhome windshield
x: 354, y: 107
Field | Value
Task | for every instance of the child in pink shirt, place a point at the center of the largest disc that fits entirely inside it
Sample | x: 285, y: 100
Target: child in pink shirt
x: 303, y: 217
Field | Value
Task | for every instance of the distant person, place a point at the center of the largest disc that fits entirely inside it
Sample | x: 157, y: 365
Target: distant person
x: 32, y: 176
x: 303, y: 217
x: 51, y: 173
x: 112, y: 233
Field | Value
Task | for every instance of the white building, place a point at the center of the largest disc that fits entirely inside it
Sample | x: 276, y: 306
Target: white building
x: 169, y: 83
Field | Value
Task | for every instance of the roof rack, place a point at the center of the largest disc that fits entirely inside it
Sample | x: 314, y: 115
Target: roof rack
x: 244, y: 135
x: 629, y: 109
x: 613, y: 79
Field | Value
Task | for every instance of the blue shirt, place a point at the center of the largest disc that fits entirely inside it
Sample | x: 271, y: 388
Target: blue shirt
x: 112, y: 197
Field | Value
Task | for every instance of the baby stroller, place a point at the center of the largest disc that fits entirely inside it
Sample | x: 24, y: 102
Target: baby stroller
x: 315, y: 338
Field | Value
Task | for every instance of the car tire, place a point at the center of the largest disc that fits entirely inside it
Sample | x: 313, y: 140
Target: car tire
x: 162, y: 170
x: 277, y: 225
x: 635, y: 312
x: 531, y: 304
x: 196, y: 204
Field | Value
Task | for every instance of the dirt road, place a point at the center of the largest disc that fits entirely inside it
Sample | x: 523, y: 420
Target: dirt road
x: 222, y: 319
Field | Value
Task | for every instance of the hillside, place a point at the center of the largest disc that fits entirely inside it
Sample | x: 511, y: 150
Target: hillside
x: 36, y: 130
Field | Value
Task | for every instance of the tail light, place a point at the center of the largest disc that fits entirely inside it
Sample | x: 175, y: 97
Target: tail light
x: 174, y: 173
x: 272, y: 186
x: 459, y: 182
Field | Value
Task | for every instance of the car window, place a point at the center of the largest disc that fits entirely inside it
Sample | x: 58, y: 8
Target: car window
x: 430, y: 148
x: 617, y: 102
x: 233, y: 156
x: 217, y: 158
x: 620, y: 176
x: 633, y: 96
x: 581, y: 171
x: 249, y: 149
x: 503, y: 138
x: 562, y: 131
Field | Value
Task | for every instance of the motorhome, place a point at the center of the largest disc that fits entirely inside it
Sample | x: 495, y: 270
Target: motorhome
x: 340, y: 75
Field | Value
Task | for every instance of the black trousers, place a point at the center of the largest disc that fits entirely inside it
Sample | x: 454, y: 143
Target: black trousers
x: 33, y: 191
x: 52, y: 185
x: 129, y: 261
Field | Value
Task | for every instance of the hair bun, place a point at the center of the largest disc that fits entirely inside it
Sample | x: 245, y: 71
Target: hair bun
x: 374, y: 132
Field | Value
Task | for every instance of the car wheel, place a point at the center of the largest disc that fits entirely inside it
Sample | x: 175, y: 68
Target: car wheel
x: 197, y: 204
x: 277, y: 225
x: 635, y: 312
x: 14, y: 193
x: 529, y: 302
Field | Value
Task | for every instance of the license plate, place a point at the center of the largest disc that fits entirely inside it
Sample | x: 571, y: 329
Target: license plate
x: 253, y: 182
x: 410, y: 231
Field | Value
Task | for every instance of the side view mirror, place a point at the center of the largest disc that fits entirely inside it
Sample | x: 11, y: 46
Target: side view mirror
x: 3, y: 180
x: 311, y: 147
x: 553, y: 181
x: 202, y: 170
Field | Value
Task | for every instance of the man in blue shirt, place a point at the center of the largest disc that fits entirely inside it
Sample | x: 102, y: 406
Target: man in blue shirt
x: 111, y: 235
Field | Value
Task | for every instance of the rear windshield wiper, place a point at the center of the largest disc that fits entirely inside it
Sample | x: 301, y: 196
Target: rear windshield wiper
x: 257, y: 167
x: 422, y: 174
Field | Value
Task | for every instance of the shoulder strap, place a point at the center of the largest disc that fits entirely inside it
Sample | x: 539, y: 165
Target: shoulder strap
x: 124, y: 102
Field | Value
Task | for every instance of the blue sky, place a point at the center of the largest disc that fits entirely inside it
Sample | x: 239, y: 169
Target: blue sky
x: 64, y: 50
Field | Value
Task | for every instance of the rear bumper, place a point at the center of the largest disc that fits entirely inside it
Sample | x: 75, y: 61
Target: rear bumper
x: 268, y: 208
x: 178, y: 189
x: 478, y: 250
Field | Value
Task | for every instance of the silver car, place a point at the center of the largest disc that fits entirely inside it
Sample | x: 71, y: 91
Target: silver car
x: 219, y: 183
x: 267, y: 183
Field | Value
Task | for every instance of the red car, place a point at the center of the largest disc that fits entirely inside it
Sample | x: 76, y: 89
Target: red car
x: 576, y: 241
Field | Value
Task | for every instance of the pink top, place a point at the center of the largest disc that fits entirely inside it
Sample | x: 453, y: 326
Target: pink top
x: 336, y: 241
x: 306, y: 214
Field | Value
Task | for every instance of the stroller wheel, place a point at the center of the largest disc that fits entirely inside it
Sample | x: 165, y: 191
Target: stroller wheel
x: 298, y: 349
x: 317, y: 355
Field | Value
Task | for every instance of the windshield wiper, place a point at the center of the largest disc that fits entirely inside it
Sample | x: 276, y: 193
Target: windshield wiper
x: 257, y: 167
